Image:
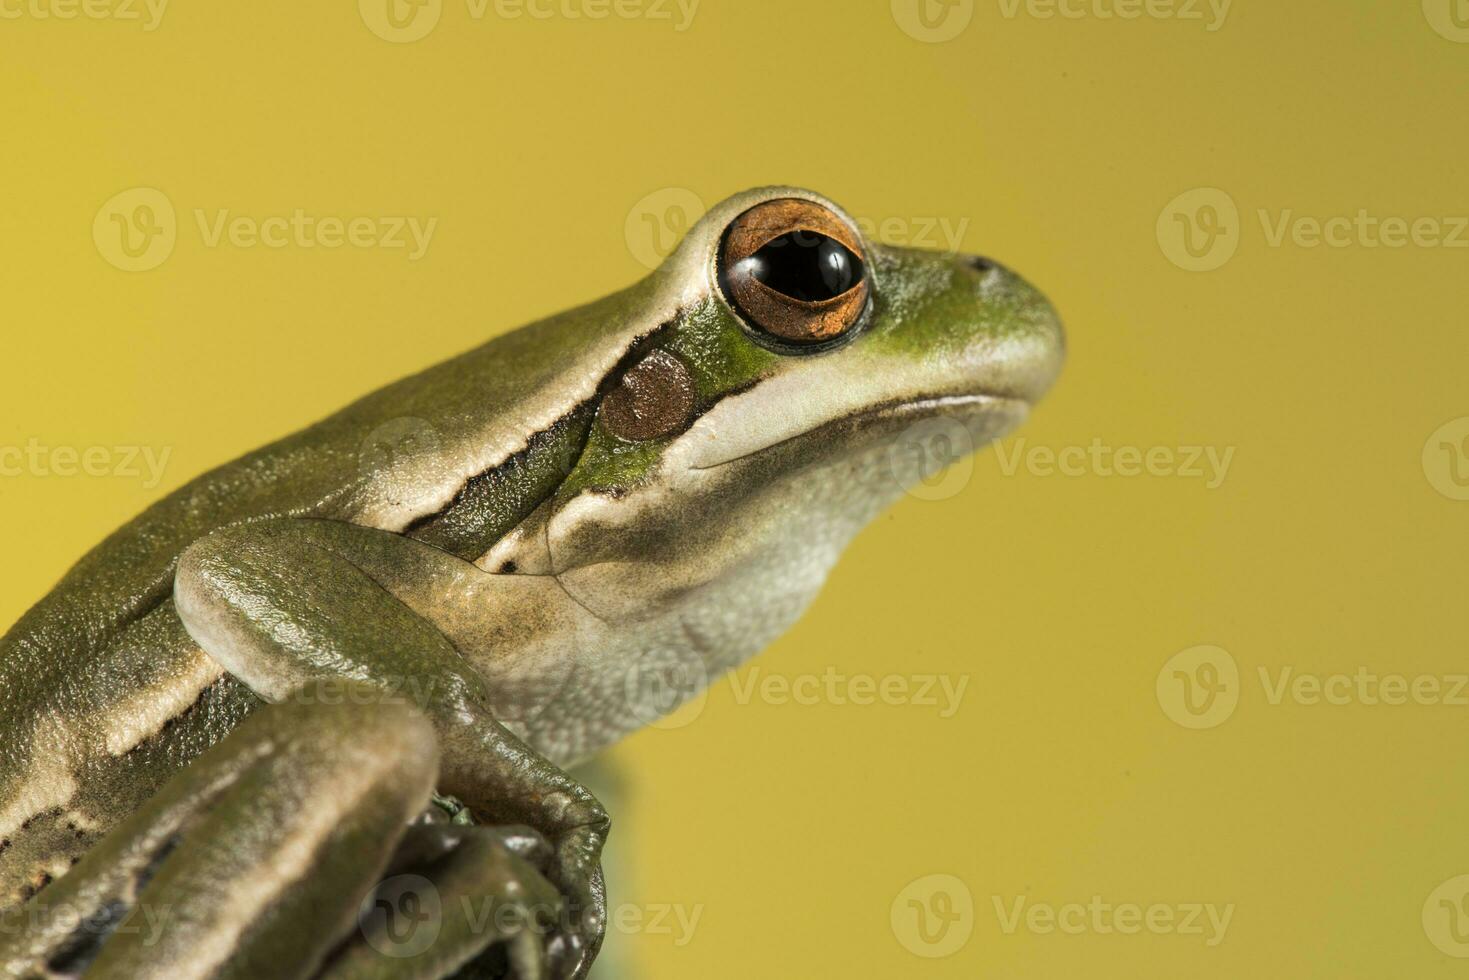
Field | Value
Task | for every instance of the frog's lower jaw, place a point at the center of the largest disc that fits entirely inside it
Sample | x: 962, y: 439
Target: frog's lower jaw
x: 1001, y: 413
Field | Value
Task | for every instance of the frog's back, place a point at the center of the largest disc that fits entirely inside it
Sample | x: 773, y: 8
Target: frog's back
x: 103, y: 694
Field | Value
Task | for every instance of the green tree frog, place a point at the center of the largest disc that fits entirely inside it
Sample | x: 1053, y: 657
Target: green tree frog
x: 371, y: 650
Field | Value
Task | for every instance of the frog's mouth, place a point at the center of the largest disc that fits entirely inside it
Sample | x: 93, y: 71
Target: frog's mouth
x: 788, y: 498
x: 985, y: 417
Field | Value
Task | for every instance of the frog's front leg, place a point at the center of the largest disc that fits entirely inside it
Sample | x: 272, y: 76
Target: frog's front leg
x: 283, y: 602
x: 259, y: 859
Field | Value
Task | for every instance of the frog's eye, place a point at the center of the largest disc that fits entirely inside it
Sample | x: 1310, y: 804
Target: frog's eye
x: 794, y: 270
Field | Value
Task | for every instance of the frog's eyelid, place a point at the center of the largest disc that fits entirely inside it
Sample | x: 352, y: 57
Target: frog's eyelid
x: 798, y: 318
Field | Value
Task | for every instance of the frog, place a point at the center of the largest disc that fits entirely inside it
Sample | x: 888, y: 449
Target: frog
x: 345, y: 678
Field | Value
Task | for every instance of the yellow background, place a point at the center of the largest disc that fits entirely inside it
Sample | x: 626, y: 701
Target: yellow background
x: 1055, y: 145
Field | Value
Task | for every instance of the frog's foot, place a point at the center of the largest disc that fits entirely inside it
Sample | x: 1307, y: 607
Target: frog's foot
x: 570, y: 858
x: 485, y: 881
x: 456, y: 901
x: 461, y: 886
x: 286, y: 602
x: 289, y: 851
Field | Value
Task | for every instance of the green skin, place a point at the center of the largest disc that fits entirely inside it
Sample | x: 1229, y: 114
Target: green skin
x: 460, y: 584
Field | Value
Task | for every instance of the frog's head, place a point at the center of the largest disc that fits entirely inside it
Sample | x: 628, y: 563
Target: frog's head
x: 795, y: 379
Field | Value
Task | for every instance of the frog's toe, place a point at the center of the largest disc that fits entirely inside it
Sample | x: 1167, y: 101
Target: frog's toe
x: 578, y: 939
x: 456, y: 901
x: 474, y: 902
x: 575, y: 938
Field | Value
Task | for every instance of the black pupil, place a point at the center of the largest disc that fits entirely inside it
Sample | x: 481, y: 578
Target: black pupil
x: 806, y: 265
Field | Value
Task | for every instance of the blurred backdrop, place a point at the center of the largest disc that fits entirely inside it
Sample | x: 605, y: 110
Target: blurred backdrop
x: 1171, y: 683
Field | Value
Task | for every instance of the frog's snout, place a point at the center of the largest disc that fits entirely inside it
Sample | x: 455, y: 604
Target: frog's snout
x: 1018, y: 328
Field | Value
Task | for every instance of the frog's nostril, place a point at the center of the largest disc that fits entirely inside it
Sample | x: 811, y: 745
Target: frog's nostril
x: 978, y: 263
